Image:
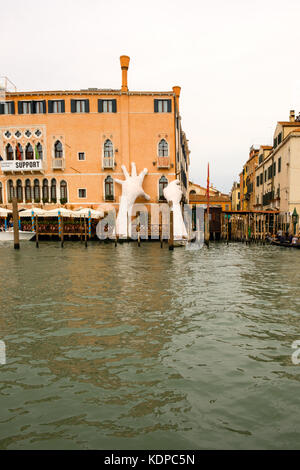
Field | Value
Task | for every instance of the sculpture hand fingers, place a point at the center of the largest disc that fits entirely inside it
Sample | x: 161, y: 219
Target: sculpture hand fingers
x: 125, y: 171
x: 142, y: 174
x: 146, y: 196
x: 118, y: 181
x: 133, y: 169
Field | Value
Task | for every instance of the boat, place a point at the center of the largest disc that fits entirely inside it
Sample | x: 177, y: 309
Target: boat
x: 285, y: 244
x: 8, y: 235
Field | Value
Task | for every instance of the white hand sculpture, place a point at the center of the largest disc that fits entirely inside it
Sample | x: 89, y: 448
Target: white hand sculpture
x: 131, y: 190
x: 173, y: 194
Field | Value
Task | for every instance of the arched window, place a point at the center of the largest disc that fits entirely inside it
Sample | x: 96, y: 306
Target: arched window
x: 53, y: 190
x: 109, y: 188
x: 1, y: 195
x: 58, y: 149
x: 10, y: 190
x: 28, y: 194
x: 163, y: 148
x: 39, y: 149
x: 9, y: 152
x: 63, y: 192
x: 192, y: 192
x: 19, y: 191
x: 108, y: 149
x: 163, y: 183
x: 29, y: 152
x: 19, y: 152
x: 36, y: 191
x: 45, y: 191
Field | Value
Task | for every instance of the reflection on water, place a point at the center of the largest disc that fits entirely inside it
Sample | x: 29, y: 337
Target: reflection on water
x: 127, y: 347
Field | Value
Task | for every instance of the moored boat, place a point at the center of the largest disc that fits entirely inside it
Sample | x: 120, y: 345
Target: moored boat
x: 8, y: 235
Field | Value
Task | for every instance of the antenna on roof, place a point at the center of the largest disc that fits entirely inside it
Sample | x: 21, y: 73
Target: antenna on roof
x: 6, y: 86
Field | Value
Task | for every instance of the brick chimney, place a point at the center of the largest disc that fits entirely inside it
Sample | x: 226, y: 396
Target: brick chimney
x: 292, y: 115
x: 124, y: 60
x: 176, y: 91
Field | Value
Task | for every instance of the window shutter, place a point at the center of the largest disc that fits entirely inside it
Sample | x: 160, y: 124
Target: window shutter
x: 1, y: 108
x: 63, y: 106
x: 20, y: 107
x: 50, y: 106
x: 114, y: 106
x: 73, y: 106
x: 169, y: 106
x: 13, y: 107
x: 156, y: 106
x: 44, y: 106
x: 33, y: 107
x: 100, y: 106
x: 87, y: 106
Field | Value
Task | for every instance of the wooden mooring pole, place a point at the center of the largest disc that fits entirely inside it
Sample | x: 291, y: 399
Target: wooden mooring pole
x: 16, y: 223
x: 171, y: 236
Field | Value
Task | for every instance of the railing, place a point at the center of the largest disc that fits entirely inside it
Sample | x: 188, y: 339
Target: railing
x: 108, y: 162
x: 58, y: 163
x: 163, y: 162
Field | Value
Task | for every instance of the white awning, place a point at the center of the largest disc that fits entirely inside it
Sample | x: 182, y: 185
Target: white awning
x: 4, y: 212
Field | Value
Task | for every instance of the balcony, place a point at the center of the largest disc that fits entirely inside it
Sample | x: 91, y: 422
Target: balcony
x: 21, y: 166
x: 58, y: 164
x: 163, y: 162
x: 108, y: 162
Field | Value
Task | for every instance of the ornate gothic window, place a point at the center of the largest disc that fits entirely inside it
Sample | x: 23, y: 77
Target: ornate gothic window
x: 163, y: 148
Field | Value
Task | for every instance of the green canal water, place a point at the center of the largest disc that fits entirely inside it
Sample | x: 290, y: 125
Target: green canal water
x: 143, y: 348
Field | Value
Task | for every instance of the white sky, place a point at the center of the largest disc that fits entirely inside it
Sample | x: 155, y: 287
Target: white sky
x: 236, y: 61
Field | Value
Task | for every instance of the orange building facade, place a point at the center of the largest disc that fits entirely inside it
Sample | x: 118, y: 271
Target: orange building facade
x: 65, y: 147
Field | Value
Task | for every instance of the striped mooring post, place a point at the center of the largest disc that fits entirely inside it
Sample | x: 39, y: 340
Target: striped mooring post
x: 59, y: 225
x: 90, y: 224
x: 32, y: 221
x: 5, y: 224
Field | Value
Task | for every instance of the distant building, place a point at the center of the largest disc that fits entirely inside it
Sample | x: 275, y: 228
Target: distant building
x: 277, y: 175
x: 235, y: 197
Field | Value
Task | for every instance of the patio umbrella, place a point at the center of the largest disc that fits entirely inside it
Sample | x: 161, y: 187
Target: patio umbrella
x: 63, y: 212
x: 85, y: 212
x: 36, y: 211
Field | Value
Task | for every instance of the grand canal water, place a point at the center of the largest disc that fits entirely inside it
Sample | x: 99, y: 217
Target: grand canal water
x: 142, y: 348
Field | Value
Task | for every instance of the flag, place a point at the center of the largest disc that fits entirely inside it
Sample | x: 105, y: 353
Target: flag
x: 19, y: 155
x: 37, y: 155
x: 207, y: 188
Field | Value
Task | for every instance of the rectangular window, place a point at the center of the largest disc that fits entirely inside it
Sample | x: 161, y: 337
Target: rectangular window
x: 261, y: 177
x: 26, y: 107
x: 279, y: 164
x: 56, y: 106
x: 107, y: 106
x: 82, y: 193
x: 265, y: 176
x: 274, y: 168
x: 279, y: 138
x: 260, y: 158
x: 81, y: 156
x: 257, y: 181
x: 38, y: 107
x: 162, y: 106
x: 80, y: 106
x: 275, y: 142
x: 8, y: 107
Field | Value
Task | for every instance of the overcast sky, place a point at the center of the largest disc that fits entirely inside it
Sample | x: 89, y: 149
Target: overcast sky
x: 236, y: 61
